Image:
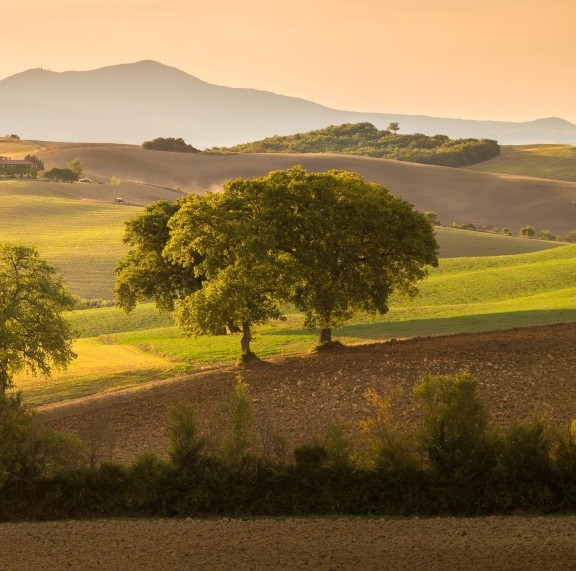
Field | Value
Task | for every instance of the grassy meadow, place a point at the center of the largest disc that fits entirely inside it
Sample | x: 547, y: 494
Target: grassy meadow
x: 82, y: 238
x: 484, y: 282
x: 462, y: 295
x: 555, y: 162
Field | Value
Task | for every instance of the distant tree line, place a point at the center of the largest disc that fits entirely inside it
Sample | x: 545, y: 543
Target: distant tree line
x: 169, y: 144
x: 365, y: 139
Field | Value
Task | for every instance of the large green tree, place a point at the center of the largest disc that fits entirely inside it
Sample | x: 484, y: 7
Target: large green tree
x: 341, y: 245
x: 330, y: 243
x: 145, y: 273
x: 34, y: 335
x: 225, y: 238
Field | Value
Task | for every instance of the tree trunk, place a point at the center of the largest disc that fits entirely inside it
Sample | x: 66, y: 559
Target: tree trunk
x: 326, y: 335
x: 5, y: 379
x: 246, y: 338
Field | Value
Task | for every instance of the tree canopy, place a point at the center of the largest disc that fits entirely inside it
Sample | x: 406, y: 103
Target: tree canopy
x: 169, y: 144
x: 366, y: 139
x: 33, y: 333
x: 330, y: 243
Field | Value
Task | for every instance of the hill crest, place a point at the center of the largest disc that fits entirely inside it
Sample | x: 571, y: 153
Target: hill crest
x: 133, y: 102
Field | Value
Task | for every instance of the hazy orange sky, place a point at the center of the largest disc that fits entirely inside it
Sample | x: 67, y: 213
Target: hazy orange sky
x: 472, y: 59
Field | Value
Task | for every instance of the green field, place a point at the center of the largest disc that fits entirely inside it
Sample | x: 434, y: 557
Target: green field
x: 555, y: 162
x: 83, y: 238
x: 463, y: 295
x: 484, y: 282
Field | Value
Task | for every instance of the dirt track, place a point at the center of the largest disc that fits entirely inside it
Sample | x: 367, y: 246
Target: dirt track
x: 521, y: 372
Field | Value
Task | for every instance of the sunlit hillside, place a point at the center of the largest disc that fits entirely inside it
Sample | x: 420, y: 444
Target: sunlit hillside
x: 554, y: 162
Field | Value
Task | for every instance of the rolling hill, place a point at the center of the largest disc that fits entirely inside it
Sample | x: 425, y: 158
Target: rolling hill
x: 456, y: 195
x: 130, y: 103
x: 554, y: 162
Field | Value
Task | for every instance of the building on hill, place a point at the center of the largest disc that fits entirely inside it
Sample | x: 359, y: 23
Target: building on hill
x: 11, y: 167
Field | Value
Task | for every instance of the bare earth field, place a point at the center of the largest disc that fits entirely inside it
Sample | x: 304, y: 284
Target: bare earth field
x: 522, y: 372
x: 521, y: 544
x: 456, y: 195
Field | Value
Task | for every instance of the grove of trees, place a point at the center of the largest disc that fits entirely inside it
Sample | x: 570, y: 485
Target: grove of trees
x: 366, y: 139
x: 169, y: 144
x: 331, y: 244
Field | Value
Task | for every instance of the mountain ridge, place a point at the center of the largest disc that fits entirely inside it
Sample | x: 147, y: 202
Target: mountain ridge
x: 133, y: 102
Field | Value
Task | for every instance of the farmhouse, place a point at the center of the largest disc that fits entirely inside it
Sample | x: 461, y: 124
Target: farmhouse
x: 10, y: 167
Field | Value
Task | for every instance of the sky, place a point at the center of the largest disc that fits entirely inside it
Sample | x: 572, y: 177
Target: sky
x: 512, y: 60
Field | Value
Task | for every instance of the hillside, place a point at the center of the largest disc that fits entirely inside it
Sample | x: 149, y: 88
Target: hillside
x: 130, y: 103
x: 554, y: 162
x: 521, y: 372
x: 364, y: 139
x: 456, y: 195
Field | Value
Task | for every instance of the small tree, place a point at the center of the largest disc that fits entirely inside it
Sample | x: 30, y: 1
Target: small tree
x: 571, y: 237
x: 394, y: 126
x: 114, y: 181
x: 546, y: 235
x: 77, y: 166
x: 64, y: 175
x: 527, y: 232
x: 33, y: 333
x: 455, y: 432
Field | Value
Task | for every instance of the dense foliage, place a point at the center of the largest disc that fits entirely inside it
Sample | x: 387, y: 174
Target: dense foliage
x: 64, y: 175
x: 169, y: 144
x: 452, y: 462
x: 33, y: 333
x: 365, y: 139
x: 329, y: 243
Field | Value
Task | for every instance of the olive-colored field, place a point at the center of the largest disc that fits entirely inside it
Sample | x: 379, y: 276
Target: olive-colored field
x: 554, y: 162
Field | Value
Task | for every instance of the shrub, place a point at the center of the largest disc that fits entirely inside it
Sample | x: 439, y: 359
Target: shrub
x: 454, y: 433
x: 186, y: 442
x: 239, y: 437
x: 389, y: 449
x: 527, y: 232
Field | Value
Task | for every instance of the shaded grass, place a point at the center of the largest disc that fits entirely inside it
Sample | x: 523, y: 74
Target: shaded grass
x: 555, y: 162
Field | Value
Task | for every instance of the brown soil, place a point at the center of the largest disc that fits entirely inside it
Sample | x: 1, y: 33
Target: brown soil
x: 521, y: 372
x: 521, y: 544
x: 457, y: 195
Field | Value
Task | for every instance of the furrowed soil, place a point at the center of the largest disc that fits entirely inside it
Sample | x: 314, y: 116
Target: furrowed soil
x: 521, y: 372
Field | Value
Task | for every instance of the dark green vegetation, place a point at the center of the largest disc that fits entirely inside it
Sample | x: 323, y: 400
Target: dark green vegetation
x: 329, y: 243
x: 452, y: 461
x: 169, y: 144
x: 34, y: 335
x: 61, y: 174
x: 365, y: 139
x: 556, y: 162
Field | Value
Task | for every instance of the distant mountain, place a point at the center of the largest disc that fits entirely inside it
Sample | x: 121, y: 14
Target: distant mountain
x: 131, y: 103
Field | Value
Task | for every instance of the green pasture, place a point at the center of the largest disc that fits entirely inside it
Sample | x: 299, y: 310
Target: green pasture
x: 463, y: 295
x: 556, y: 162
x: 83, y: 238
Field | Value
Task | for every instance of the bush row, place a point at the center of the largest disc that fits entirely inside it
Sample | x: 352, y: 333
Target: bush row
x: 453, y: 462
